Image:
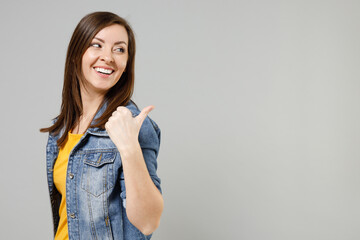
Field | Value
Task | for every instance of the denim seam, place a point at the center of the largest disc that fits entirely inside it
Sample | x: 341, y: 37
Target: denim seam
x: 106, y: 209
x: 92, y: 224
x: 83, y: 152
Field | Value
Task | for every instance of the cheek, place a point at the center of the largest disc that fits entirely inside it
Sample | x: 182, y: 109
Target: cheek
x: 84, y: 62
x: 123, y: 63
x: 88, y: 58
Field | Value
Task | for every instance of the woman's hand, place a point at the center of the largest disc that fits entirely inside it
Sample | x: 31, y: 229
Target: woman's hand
x: 123, y: 128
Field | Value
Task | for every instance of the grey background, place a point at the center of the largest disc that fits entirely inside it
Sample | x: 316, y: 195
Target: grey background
x: 258, y: 103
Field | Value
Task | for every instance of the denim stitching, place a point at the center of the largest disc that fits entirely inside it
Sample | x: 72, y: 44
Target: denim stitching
x: 92, y: 224
x: 105, y: 205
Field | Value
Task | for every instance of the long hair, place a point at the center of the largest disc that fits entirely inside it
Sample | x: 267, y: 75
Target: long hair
x: 119, y: 95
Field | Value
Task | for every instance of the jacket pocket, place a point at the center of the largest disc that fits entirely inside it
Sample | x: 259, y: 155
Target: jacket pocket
x: 98, y: 172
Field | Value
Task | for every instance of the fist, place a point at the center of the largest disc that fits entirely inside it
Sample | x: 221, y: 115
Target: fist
x: 123, y: 128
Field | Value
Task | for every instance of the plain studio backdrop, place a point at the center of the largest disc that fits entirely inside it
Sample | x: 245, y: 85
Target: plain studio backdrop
x: 258, y: 103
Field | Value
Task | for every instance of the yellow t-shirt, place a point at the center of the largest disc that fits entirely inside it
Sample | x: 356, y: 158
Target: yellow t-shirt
x: 60, y: 182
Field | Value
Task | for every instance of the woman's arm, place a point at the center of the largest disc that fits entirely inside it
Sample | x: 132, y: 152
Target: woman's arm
x: 144, y: 202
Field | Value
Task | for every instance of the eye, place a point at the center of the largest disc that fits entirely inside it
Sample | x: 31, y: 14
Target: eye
x: 95, y: 45
x: 120, y: 49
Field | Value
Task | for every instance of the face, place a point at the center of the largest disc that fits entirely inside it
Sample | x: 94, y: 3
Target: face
x: 105, y: 59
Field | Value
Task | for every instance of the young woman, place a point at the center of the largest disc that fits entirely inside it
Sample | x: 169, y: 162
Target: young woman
x: 101, y: 151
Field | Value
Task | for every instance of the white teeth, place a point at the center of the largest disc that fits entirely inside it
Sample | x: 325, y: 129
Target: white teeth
x: 103, y: 70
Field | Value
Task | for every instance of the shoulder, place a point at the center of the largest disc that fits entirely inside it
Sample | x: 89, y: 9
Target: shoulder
x: 52, y: 134
x: 149, y: 131
x: 52, y: 139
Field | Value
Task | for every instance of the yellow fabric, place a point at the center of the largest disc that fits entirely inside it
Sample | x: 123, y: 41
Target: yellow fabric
x: 60, y: 182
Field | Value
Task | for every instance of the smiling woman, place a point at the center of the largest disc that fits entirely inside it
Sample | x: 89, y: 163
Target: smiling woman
x: 102, y: 150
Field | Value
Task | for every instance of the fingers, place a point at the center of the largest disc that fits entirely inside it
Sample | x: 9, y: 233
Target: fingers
x: 142, y: 115
x: 122, y: 110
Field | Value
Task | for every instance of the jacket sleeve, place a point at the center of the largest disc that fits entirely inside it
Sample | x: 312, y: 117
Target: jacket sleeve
x: 149, y: 139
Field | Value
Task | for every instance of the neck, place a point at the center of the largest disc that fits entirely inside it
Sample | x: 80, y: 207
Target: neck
x: 90, y: 102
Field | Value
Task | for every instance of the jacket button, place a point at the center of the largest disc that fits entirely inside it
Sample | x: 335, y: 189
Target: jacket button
x: 72, y: 215
x: 71, y: 175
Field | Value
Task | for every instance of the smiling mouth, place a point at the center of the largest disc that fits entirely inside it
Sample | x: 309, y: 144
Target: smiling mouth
x: 103, y: 70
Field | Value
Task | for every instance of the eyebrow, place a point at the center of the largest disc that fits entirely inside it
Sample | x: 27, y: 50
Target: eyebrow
x: 119, y: 42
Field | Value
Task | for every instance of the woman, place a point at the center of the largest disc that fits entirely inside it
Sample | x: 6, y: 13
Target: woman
x: 101, y: 151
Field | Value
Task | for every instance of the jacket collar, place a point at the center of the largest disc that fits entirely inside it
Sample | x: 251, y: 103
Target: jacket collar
x: 98, y: 131
x: 102, y: 132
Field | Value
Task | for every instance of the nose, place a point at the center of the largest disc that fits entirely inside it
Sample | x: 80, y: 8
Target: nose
x: 106, y: 56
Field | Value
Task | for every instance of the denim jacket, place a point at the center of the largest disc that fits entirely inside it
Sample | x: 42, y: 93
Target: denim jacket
x: 95, y: 186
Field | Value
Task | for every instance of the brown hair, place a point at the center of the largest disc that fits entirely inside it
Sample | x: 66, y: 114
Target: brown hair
x: 119, y: 95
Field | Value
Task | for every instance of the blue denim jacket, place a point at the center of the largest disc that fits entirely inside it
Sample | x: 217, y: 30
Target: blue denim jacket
x: 95, y: 187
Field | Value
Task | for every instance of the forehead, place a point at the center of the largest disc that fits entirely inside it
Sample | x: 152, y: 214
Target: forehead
x: 113, y: 33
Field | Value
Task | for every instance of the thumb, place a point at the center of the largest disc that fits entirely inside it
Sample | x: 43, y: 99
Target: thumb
x: 142, y: 115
